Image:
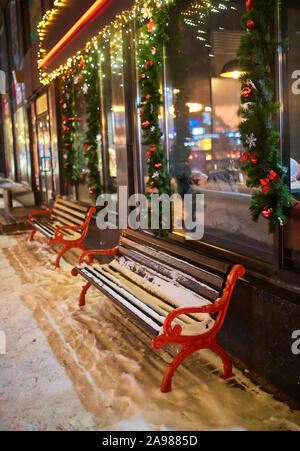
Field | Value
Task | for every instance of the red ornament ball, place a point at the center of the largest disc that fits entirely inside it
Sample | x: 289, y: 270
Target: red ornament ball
x: 246, y: 92
x: 250, y: 23
x: 91, y: 191
x: 267, y: 212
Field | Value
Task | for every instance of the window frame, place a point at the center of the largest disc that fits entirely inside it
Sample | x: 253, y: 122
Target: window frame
x: 256, y: 265
x: 286, y: 272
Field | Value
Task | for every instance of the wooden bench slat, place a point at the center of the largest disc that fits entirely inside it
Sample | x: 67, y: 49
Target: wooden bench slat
x: 54, y: 225
x: 163, y: 307
x: 173, y: 294
x: 116, y: 285
x: 107, y: 289
x: 70, y: 211
x: 64, y: 222
x: 43, y: 229
x: 211, y: 280
x: 74, y: 205
x: 186, y: 280
x: 156, y: 314
x: 184, y: 253
x: 155, y: 303
x: 61, y: 214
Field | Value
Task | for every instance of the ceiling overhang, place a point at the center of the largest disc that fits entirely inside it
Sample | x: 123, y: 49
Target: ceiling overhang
x: 67, y: 28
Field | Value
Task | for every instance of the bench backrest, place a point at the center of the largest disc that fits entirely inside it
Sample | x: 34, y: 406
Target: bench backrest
x: 69, y: 213
x: 172, y: 264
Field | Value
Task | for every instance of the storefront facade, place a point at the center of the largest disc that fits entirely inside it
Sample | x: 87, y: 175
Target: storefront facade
x: 200, y: 131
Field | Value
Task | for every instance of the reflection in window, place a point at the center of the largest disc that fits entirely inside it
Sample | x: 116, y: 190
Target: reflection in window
x: 294, y: 97
x: 81, y: 129
x: 8, y: 138
x: 80, y: 88
x: 22, y: 145
x: 293, y: 73
x: 202, y: 101
x: 112, y: 87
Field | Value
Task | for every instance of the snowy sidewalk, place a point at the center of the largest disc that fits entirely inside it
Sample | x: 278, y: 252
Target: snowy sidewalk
x: 91, y: 369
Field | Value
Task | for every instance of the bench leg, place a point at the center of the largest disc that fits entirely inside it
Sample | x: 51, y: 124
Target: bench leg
x: 83, y: 293
x: 59, y: 256
x: 225, y: 359
x: 166, y: 385
x: 187, y: 350
x: 31, y: 237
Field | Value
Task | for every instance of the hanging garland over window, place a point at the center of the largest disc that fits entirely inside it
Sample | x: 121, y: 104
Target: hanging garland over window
x: 88, y: 66
x: 152, y: 38
x: 70, y: 153
x: 92, y: 97
x: 154, y: 34
x: 262, y: 158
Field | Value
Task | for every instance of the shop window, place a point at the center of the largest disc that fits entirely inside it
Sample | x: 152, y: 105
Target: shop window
x: 202, y: 100
x: 34, y: 145
x: 43, y: 137
x: 8, y: 137
x: 113, y: 114
x: 22, y: 145
x: 22, y: 134
x: 54, y: 139
x: 80, y: 137
x: 291, y: 125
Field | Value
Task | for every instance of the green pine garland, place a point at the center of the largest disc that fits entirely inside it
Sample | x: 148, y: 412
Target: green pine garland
x: 262, y: 158
x: 89, y: 69
x: 154, y: 35
x: 70, y: 152
x: 92, y: 98
x: 152, y: 39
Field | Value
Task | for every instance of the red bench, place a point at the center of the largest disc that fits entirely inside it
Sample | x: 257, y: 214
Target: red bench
x: 172, y: 297
x: 66, y: 224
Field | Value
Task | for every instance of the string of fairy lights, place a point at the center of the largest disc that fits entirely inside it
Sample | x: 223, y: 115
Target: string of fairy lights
x: 110, y: 33
x: 194, y: 17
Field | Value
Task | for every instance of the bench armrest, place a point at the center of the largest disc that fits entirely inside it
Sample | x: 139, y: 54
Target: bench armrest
x: 113, y: 251
x: 60, y: 229
x: 39, y: 212
x: 220, y: 305
x: 176, y: 330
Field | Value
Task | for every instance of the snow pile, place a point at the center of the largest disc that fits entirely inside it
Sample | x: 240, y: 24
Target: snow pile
x: 93, y: 368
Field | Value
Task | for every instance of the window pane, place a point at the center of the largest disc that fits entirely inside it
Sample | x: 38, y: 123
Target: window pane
x: 81, y: 129
x: 22, y: 145
x: 8, y: 137
x: 293, y: 73
x: 113, y: 109
x: 294, y: 96
x: 204, y: 145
